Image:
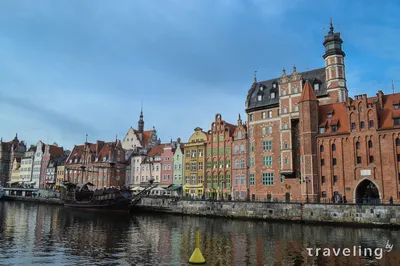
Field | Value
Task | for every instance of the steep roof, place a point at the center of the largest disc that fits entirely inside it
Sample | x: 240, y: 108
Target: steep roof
x: 308, y: 93
x: 156, y: 150
x: 314, y: 76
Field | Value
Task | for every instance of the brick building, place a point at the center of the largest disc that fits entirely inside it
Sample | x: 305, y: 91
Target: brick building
x: 309, y: 140
x: 240, y: 161
x: 9, y: 151
x: 167, y: 164
x: 51, y: 152
x: 219, y: 159
x: 101, y: 163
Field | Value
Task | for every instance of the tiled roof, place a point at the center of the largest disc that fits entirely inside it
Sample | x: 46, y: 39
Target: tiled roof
x: 388, y: 112
x: 156, y: 150
x: 55, y: 151
x: 231, y: 127
x: 339, y: 117
x: 314, y: 76
x: 308, y: 93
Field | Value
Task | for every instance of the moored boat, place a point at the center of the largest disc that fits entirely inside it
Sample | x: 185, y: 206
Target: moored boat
x: 81, y: 197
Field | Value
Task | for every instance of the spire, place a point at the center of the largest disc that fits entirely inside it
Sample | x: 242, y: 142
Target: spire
x: 294, y: 69
x: 283, y: 71
x: 239, y: 121
x: 331, y: 26
x: 86, y: 138
x: 141, y: 121
x: 255, y: 76
x: 308, y: 93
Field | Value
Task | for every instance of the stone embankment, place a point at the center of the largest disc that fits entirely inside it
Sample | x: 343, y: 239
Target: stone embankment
x: 351, y: 214
x: 37, y: 199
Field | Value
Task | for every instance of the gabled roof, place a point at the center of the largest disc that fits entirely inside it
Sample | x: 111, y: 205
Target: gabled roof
x: 156, y: 150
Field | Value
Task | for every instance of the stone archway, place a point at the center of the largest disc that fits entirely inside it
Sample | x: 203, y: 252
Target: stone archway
x: 367, y: 192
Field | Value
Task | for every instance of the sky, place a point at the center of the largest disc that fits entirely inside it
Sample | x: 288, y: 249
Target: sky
x: 70, y: 67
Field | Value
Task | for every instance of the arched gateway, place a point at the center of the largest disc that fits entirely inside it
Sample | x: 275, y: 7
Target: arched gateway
x: 367, y: 192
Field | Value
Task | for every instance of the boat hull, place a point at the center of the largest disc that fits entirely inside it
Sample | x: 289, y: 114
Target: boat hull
x: 120, y: 205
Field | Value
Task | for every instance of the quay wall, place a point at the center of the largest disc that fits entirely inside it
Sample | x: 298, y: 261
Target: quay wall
x: 30, y: 199
x: 351, y: 214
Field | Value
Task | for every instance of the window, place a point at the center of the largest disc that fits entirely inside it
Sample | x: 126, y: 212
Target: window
x: 194, y: 153
x: 283, y: 92
x: 267, y: 179
x: 251, y: 132
x: 286, y: 160
x: 236, y: 150
x: 362, y: 124
x: 329, y: 115
x: 398, y: 157
x: 267, y: 145
x: 272, y: 95
x: 285, y: 146
x: 359, y: 159
x: 187, y: 153
x: 282, y: 178
x: 259, y: 98
x: 263, y: 131
x: 242, y: 180
x: 236, y: 180
x: 323, y: 179
x: 353, y: 126
x: 200, y: 165
x: 371, y: 123
x: 262, y: 115
x: 323, y: 194
x: 274, y: 85
x: 396, y: 122
x: 267, y: 160
x: 251, y: 179
x: 285, y: 126
x: 333, y: 128
x: 236, y: 164
x: 240, y: 135
x: 321, y: 148
x: 295, y: 90
x: 296, y: 108
x: 316, y: 87
x: 397, y: 142
x: 333, y: 147
x: 322, y: 162
x: 251, y: 117
x: 251, y: 146
x: 242, y: 148
x: 221, y: 164
x: 357, y: 145
x: 187, y: 166
x: 214, y: 139
x: 242, y: 164
x: 371, y: 159
x: 270, y: 114
x: 200, y: 152
x: 321, y: 130
x: 334, y: 161
x: 285, y: 110
x: 269, y: 130
x: 251, y: 161
x: 334, y: 178
x: 370, y: 144
x: 396, y: 106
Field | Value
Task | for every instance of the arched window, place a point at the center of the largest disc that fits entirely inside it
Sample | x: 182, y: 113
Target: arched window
x: 397, y: 142
x: 369, y: 143
x: 236, y: 149
x: 321, y: 148
x: 357, y: 145
x: 333, y: 147
x: 240, y: 135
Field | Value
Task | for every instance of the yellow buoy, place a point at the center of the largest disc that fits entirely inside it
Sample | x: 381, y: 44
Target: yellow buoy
x: 197, y: 257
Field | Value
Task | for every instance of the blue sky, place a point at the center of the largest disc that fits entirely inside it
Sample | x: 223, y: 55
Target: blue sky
x: 70, y: 68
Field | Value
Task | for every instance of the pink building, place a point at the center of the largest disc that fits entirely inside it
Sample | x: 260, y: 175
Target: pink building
x: 166, y: 165
x: 50, y: 152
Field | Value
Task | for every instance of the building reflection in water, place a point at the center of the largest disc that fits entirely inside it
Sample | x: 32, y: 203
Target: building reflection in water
x: 42, y: 234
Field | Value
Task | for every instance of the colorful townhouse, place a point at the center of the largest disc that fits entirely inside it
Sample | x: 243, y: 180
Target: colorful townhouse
x: 167, y: 174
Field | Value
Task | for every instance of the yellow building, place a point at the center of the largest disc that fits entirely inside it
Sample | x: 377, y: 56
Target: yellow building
x: 194, y: 164
x: 15, y: 178
x: 60, y: 175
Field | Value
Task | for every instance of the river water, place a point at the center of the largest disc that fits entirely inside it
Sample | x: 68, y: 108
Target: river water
x: 39, y: 234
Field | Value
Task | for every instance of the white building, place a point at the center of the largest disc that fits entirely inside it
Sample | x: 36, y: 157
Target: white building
x: 37, y: 164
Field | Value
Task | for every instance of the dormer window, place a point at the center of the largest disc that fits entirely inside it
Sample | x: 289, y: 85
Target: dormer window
x: 333, y: 129
x: 274, y: 85
x: 396, y: 106
x: 321, y: 130
x: 295, y: 90
x: 329, y: 115
x: 316, y: 87
x: 396, y: 121
x: 259, y: 98
x: 261, y: 88
x: 272, y: 95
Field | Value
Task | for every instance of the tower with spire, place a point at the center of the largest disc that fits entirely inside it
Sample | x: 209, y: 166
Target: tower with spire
x: 334, y: 65
x: 141, y: 121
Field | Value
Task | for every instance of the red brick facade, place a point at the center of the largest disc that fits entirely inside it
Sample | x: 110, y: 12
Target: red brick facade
x: 240, y: 162
x: 308, y: 139
x: 102, y: 164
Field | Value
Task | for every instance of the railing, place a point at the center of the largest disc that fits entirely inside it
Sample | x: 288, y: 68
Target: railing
x: 135, y: 199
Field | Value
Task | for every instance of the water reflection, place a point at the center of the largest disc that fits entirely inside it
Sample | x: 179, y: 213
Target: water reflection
x: 33, y: 234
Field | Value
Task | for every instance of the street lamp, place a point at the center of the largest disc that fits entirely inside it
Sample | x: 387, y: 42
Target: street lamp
x: 306, y: 180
